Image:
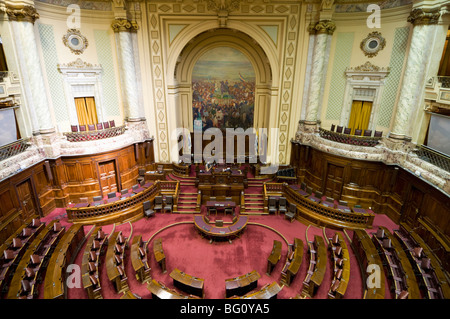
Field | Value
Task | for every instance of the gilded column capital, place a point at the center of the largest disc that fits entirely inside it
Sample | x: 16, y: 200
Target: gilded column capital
x: 124, y: 25
x: 323, y: 26
x: 424, y: 17
x: 22, y: 13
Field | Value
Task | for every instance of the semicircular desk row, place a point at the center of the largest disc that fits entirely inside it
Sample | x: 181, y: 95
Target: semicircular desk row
x: 320, y: 211
x: 117, y: 209
x: 236, y: 288
x: 217, y: 231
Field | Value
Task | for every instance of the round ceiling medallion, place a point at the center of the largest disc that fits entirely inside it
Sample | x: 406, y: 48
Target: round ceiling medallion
x: 372, y: 44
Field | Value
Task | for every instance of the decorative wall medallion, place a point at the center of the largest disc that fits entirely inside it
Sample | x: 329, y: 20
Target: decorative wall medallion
x: 75, y: 41
x: 372, y: 44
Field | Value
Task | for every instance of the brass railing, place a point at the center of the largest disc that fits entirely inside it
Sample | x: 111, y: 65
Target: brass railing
x: 94, y: 135
x: 349, y: 139
x: 14, y: 148
x: 431, y: 156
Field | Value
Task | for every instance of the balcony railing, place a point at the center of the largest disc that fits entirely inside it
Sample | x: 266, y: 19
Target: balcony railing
x: 431, y: 156
x: 95, y: 135
x: 349, y: 139
x: 14, y: 148
x: 445, y: 81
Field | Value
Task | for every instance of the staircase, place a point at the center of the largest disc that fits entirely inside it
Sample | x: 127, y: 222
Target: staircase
x: 254, y: 196
x: 254, y: 203
x: 187, y: 202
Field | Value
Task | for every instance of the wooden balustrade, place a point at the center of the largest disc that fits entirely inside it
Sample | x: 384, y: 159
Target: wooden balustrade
x: 119, y: 210
x: 94, y: 135
x: 181, y: 170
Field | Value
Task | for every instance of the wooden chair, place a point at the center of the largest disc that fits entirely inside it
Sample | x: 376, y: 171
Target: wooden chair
x: 272, y: 205
x: 290, y: 215
x: 158, y: 203
x: 74, y: 128
x: 343, y: 203
x: 282, y: 208
x: 378, y: 134
x: 91, y: 127
x: 96, y: 198
x: 112, y: 195
x: 339, y: 129
x: 141, y: 177
x: 169, y: 204
x: 148, y: 211
x: 99, y: 126
x: 347, y: 130
x: 124, y: 191
x: 358, y: 132
x: 84, y: 200
x: 82, y: 128
x: 105, y: 125
x: 112, y: 123
x: 332, y: 127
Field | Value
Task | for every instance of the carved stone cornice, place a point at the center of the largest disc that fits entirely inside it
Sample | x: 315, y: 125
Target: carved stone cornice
x: 22, y: 13
x: 223, y: 5
x: 323, y: 26
x: 368, y: 67
x: 424, y: 17
x: 124, y: 25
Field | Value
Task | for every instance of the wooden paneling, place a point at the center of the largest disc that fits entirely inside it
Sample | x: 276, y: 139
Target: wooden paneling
x: 387, y: 189
x: 32, y: 192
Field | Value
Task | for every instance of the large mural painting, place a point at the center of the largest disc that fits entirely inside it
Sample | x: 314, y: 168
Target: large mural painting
x: 223, y: 86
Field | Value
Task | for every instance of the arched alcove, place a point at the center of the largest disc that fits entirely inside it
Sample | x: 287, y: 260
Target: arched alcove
x: 180, y: 90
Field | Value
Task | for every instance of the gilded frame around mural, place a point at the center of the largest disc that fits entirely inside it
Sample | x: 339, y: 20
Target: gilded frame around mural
x: 372, y: 44
x: 75, y: 41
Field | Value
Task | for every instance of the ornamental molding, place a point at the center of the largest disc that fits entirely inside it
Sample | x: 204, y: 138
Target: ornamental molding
x: 367, y: 67
x: 22, y: 13
x: 372, y: 44
x: 323, y: 26
x: 124, y: 25
x: 424, y: 17
x: 79, y: 66
x: 75, y: 41
x: 223, y: 5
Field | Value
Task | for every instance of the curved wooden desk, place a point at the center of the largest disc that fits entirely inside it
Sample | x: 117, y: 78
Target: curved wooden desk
x: 56, y: 271
x: 158, y: 251
x: 274, y: 256
x: 160, y: 291
x: 139, y: 259
x: 190, y: 284
x: 367, y: 254
x: 315, y: 211
x: 317, y: 266
x: 217, y: 232
x: 241, y: 285
x: 293, y: 264
x: 269, y: 291
x: 341, y: 274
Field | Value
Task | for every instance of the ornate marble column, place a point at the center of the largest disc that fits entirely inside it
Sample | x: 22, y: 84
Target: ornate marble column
x: 413, y: 83
x: 322, y: 30
x: 124, y: 29
x: 22, y: 19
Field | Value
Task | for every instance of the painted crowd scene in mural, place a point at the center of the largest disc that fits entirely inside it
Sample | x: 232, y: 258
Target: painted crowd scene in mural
x: 223, y: 86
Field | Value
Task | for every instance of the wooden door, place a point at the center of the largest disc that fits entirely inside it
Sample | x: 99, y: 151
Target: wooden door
x: 108, y: 177
x: 334, y: 180
x: 411, y: 207
x: 26, y: 199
